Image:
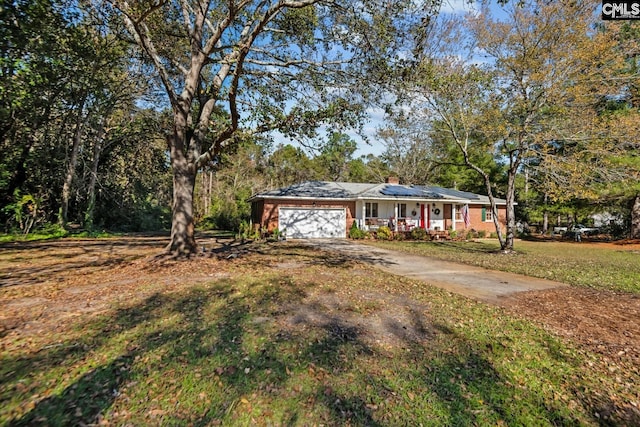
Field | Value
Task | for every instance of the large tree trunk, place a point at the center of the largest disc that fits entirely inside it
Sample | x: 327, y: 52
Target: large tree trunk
x: 507, y: 246
x: 71, y: 166
x: 635, y: 218
x: 91, y: 191
x: 183, y: 242
x: 494, y: 210
x: 93, y: 178
x: 545, y: 215
x: 492, y: 201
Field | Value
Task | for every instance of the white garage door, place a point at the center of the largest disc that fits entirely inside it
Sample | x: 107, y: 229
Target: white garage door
x: 300, y: 223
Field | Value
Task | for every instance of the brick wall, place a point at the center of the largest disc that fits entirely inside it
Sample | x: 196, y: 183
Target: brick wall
x: 475, y: 214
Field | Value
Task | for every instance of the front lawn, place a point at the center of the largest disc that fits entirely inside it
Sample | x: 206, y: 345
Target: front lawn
x: 279, y: 334
x: 597, y: 265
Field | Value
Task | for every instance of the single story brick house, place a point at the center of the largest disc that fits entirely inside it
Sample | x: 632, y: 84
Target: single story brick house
x: 322, y: 209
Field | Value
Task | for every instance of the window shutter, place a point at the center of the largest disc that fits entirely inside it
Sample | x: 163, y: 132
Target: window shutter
x: 484, y: 214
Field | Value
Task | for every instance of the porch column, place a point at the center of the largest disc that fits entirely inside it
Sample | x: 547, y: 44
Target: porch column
x: 364, y: 216
x: 395, y: 215
x: 453, y: 217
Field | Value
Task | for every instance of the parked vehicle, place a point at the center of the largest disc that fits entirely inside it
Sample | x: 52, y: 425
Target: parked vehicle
x: 559, y: 230
x: 576, y: 230
x: 579, y: 228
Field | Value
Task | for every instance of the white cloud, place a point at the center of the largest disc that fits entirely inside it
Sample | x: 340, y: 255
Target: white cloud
x: 458, y: 6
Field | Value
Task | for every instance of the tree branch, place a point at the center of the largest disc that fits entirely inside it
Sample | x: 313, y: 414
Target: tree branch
x: 139, y: 31
x: 248, y: 36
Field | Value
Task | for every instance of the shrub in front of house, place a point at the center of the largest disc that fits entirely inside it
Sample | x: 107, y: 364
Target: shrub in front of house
x: 356, y: 233
x: 462, y: 235
x: 248, y: 231
x: 275, y: 236
x: 469, y: 234
x: 482, y: 234
x: 419, y: 234
x: 384, y: 233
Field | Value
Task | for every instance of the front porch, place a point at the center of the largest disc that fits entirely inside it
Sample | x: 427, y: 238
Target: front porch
x: 404, y: 230
x: 403, y: 224
x: 436, y: 218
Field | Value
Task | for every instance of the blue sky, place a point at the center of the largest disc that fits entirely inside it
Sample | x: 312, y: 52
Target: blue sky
x: 375, y: 146
x: 376, y: 115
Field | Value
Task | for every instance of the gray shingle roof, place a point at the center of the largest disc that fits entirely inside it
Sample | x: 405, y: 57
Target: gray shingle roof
x: 316, y: 190
x: 359, y: 191
x: 450, y: 192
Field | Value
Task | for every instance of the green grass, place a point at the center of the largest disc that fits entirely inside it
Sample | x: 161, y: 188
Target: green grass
x: 599, y: 267
x: 221, y: 353
x: 59, y: 233
x: 55, y: 233
x: 37, y: 235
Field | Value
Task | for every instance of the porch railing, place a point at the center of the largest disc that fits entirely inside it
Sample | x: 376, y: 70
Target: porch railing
x: 403, y: 224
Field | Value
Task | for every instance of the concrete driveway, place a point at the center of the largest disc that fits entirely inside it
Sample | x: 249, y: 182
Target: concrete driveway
x: 474, y: 282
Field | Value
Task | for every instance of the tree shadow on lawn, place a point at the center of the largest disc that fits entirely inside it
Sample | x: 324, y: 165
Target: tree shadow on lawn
x: 37, y: 275
x: 471, y: 391
x: 334, y: 257
x: 232, y: 249
x: 88, y: 244
x: 84, y: 401
x: 470, y: 246
x: 56, y: 259
x: 203, y: 356
x: 471, y: 385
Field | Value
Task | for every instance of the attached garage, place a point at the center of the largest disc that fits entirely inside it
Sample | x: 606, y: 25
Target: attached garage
x: 309, y: 223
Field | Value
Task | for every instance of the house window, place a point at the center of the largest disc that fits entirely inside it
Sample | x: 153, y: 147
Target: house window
x: 403, y: 210
x: 459, y: 217
x: 371, y: 210
x: 487, y: 214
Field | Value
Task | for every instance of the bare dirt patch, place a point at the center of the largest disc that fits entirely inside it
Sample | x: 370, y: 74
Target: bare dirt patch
x: 43, y: 284
x: 601, y: 322
x: 606, y: 322
x: 601, y: 242
x: 376, y: 318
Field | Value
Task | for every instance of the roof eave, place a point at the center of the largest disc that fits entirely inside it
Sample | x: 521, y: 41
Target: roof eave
x: 330, y: 199
x: 390, y: 199
x: 431, y: 200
